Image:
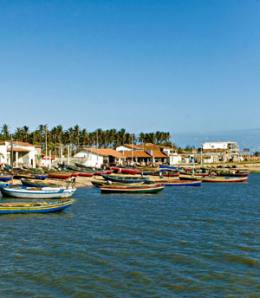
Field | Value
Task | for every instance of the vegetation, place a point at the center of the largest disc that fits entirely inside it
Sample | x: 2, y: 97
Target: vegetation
x: 77, y: 138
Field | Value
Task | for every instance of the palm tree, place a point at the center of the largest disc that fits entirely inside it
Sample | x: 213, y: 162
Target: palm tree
x: 5, y: 134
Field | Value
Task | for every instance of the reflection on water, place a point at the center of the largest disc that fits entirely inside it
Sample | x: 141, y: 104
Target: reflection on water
x: 182, y: 242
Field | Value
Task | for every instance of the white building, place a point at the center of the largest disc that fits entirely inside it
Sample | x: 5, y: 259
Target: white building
x: 24, y: 154
x: 228, y: 146
x: 220, y: 152
x: 95, y: 158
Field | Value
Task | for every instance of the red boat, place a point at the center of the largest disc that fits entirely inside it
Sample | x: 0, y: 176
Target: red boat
x: 127, y: 171
x: 85, y: 174
x: 100, y: 173
x: 60, y: 175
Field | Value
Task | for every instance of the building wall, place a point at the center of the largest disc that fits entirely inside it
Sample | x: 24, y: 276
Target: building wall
x: 89, y: 159
x: 220, y: 145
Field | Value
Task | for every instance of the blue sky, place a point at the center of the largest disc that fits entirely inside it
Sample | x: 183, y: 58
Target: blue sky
x: 144, y: 65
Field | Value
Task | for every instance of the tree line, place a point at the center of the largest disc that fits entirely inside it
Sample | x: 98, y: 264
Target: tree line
x: 78, y: 138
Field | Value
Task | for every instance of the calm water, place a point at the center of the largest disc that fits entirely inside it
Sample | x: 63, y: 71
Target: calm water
x: 183, y: 242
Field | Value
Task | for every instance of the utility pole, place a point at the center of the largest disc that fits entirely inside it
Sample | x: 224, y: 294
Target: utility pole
x: 12, y: 152
x: 46, y: 140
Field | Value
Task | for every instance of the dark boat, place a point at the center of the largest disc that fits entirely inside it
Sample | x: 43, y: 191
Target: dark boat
x: 124, y: 179
x: 37, y: 183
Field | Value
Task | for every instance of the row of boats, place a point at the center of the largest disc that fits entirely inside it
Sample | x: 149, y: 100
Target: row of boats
x: 142, y: 184
x: 52, y: 197
x: 39, y: 198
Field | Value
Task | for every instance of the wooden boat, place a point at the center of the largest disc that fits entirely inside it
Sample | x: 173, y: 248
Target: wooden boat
x: 224, y: 179
x: 194, y: 183
x: 127, y: 171
x: 37, y: 183
x: 122, y: 179
x: 143, y: 188
x: 40, y: 176
x: 57, y: 175
x: 5, y: 178
x: 85, y: 174
x: 105, y: 172
x: 34, y: 207
x: 38, y: 192
x: 191, y: 177
x: 86, y: 169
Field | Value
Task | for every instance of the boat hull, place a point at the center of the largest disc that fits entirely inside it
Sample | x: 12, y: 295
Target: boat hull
x: 5, y: 178
x: 33, y: 193
x: 12, y: 208
x: 119, y: 179
x: 60, y: 176
x: 220, y: 179
x: 132, y: 190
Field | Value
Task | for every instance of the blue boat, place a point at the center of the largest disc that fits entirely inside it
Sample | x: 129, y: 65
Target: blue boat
x: 168, y: 168
x: 5, y: 178
x: 34, y: 207
x: 41, y: 177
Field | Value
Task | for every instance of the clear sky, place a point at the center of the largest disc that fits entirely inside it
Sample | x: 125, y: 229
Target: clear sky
x: 174, y: 65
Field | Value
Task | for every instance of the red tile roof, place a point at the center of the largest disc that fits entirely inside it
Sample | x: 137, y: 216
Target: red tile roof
x: 105, y: 152
x: 140, y: 154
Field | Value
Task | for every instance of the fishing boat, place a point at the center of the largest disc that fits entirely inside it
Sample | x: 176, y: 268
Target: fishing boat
x: 85, y: 168
x: 40, y: 176
x: 224, y: 179
x: 191, y: 177
x: 5, y: 178
x: 37, y: 183
x: 194, y: 183
x: 124, y: 179
x: 57, y: 175
x: 127, y: 171
x: 38, y: 192
x: 141, y: 189
x: 104, y: 172
x: 85, y: 174
x: 34, y: 207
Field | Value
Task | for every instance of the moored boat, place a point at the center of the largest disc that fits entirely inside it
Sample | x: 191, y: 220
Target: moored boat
x: 85, y: 174
x: 38, y: 192
x: 224, y: 179
x: 37, y: 183
x: 124, y: 179
x: 57, y: 175
x: 127, y: 171
x: 143, y: 188
x: 5, y: 178
x: 34, y: 207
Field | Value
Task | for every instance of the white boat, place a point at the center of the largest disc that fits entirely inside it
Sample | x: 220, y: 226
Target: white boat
x: 38, y: 192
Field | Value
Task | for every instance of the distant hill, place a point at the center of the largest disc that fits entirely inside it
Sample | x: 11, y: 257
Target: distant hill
x: 247, y: 138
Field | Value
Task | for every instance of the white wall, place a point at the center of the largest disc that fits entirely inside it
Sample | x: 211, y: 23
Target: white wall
x: 219, y: 145
x: 175, y: 159
x: 90, y: 159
